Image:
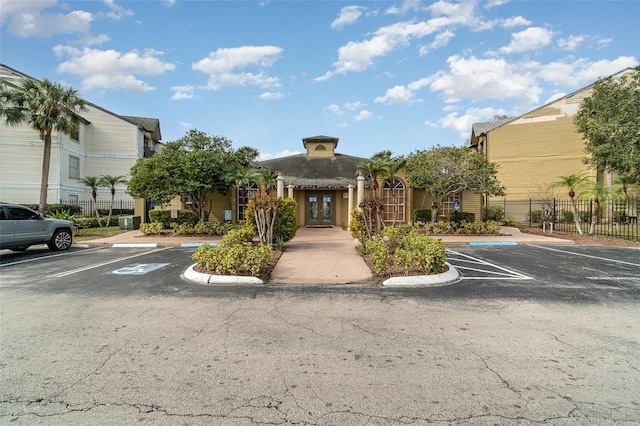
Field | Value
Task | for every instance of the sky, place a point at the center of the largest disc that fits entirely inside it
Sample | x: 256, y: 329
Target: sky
x: 379, y: 75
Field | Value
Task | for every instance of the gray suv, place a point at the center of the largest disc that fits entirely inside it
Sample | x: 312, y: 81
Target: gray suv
x: 21, y: 227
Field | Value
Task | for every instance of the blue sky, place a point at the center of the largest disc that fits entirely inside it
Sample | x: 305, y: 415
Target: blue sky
x: 378, y: 74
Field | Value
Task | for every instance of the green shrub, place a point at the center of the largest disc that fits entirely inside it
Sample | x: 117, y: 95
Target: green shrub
x: 393, y: 235
x: 356, y: 226
x: 240, y: 235
x: 494, y: 213
x: 285, y: 225
x: 457, y: 217
x: 85, y: 222
x: 567, y: 216
x: 183, y: 228
x: 378, y: 250
x: 421, y: 215
x: 421, y: 253
x: 50, y: 209
x: 535, y: 216
x: 64, y: 215
x: 164, y: 216
x: 152, y: 228
x: 233, y: 256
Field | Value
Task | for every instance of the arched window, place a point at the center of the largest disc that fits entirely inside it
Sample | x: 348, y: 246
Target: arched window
x: 393, y: 199
x: 321, y: 148
x: 244, y: 195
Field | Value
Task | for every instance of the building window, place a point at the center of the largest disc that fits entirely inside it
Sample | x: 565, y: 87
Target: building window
x: 74, y: 167
x: 393, y: 199
x: 74, y: 199
x: 75, y: 134
x: 447, y: 205
x: 244, y: 195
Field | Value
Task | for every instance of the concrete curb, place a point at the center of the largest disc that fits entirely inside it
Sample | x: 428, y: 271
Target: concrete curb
x: 435, y: 280
x: 200, y: 278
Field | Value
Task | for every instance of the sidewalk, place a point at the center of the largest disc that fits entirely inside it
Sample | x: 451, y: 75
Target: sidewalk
x: 324, y: 255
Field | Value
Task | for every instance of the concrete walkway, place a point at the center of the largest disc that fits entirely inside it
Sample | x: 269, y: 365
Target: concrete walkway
x: 325, y: 255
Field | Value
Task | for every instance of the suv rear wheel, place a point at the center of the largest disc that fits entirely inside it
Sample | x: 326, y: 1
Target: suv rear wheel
x: 61, y: 240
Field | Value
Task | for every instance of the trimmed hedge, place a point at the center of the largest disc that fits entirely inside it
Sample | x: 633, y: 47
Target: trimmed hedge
x: 164, y: 217
x: 421, y: 215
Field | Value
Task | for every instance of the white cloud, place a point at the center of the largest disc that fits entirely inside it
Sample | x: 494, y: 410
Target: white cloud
x: 348, y: 16
x: 116, y: 12
x: 571, y: 43
x: 472, y: 78
x: 463, y: 123
x: 222, y: 64
x: 495, y: 3
x: 362, y: 115
x: 582, y: 72
x: 183, y: 92
x: 352, y: 106
x: 285, y: 153
x: 110, y: 69
x: 28, y: 19
x: 359, y: 56
x: 334, y: 109
x: 532, y: 38
x: 441, y: 40
x: 399, y: 95
x: 271, y: 95
x: 516, y: 21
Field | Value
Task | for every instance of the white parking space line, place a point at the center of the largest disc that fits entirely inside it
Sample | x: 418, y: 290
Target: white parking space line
x: 622, y: 262
x: 48, y: 256
x: 506, y: 274
x: 98, y: 265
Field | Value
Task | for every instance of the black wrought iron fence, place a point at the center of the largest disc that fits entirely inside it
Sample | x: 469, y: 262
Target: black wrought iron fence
x: 88, y: 207
x: 615, y: 217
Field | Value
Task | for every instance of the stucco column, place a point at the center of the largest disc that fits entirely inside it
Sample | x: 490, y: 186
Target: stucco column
x: 350, y: 203
x: 360, y: 180
x: 290, y: 191
x: 280, y: 180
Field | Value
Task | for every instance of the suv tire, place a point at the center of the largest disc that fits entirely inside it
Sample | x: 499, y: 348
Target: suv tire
x: 61, y: 240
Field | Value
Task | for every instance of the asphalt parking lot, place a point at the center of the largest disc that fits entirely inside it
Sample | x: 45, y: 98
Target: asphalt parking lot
x: 114, y: 336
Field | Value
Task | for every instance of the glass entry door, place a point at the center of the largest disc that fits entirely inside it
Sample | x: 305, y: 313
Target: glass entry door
x: 320, y: 209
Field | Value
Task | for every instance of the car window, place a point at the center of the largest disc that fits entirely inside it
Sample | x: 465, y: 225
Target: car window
x: 3, y: 215
x: 18, y: 213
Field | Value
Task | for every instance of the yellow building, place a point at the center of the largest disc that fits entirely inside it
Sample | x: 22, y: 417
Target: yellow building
x: 326, y: 187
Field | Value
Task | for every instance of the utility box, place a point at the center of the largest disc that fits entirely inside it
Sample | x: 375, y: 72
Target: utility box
x: 129, y: 223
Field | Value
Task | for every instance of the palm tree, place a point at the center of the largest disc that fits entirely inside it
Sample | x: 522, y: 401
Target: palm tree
x: 266, y: 178
x: 93, y: 182
x: 598, y: 193
x: 109, y: 181
x: 572, y: 183
x: 371, y: 169
x: 45, y: 106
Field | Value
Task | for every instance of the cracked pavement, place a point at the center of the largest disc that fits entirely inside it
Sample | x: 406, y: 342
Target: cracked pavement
x: 315, y: 358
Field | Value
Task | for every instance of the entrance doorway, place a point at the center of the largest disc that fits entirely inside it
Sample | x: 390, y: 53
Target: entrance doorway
x: 320, y: 209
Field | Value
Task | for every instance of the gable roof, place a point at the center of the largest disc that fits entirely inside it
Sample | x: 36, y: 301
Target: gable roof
x: 482, y: 128
x: 479, y: 129
x: 301, y: 171
x: 151, y: 125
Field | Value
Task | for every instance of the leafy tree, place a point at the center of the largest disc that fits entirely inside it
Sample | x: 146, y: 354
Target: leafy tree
x: 572, y: 183
x: 45, y: 106
x: 373, y: 168
x: 190, y: 166
x: 110, y: 182
x: 608, y: 120
x: 445, y: 171
x: 93, y: 183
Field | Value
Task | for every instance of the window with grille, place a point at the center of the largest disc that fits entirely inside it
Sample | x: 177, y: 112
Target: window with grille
x: 74, y: 167
x: 393, y: 199
x: 244, y: 195
x: 447, y: 205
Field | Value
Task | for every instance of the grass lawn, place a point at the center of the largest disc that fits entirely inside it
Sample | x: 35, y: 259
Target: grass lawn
x: 94, y: 233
